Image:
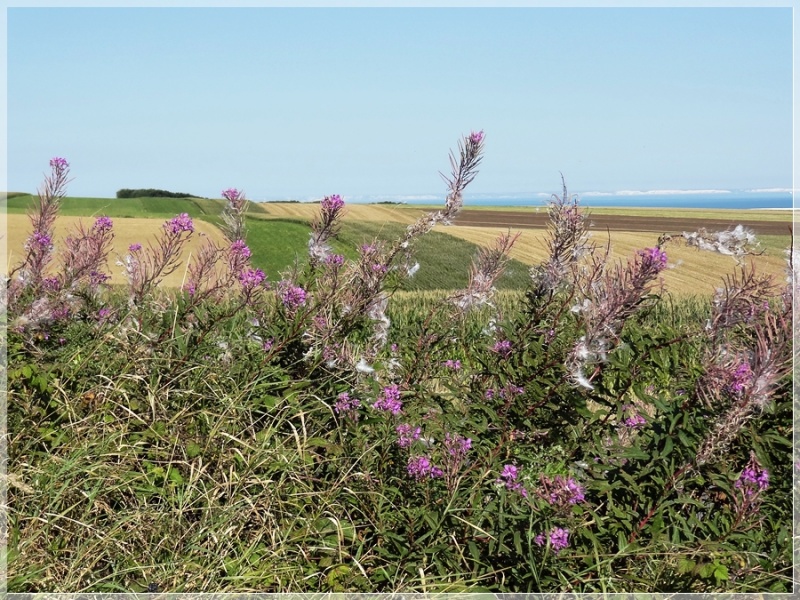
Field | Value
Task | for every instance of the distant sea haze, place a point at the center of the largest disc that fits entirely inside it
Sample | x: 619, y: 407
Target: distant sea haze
x: 737, y: 200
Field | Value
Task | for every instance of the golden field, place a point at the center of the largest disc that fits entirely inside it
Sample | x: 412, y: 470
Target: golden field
x: 691, y: 272
x: 126, y: 232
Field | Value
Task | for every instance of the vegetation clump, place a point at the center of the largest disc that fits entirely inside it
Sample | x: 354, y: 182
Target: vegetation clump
x: 152, y: 193
x: 316, y: 432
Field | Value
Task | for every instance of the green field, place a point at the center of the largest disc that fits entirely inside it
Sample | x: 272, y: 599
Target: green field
x: 128, y: 207
x: 278, y: 235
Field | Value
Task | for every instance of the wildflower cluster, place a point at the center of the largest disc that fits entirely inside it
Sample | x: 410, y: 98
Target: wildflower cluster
x: 406, y: 434
x: 423, y: 450
x: 389, y: 400
x: 750, y: 486
x: 420, y: 468
x: 347, y: 406
x: 509, y: 476
x: 233, y: 215
x: 179, y: 224
x: 324, y: 227
x: 292, y: 296
x: 558, y: 538
x: 561, y: 492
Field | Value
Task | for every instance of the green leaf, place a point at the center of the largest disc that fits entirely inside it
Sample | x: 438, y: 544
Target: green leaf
x: 668, y: 445
x: 175, y: 476
x: 193, y: 449
x: 686, y: 565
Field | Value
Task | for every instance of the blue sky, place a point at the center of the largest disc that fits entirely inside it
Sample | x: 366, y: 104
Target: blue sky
x: 300, y: 103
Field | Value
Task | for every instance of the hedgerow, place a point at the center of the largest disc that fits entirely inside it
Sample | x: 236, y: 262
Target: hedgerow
x: 309, y: 433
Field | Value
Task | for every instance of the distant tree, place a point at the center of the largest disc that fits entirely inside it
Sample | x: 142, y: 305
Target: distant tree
x: 152, y: 193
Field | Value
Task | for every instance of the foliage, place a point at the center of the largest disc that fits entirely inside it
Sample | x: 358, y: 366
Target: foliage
x: 151, y: 193
x: 319, y: 431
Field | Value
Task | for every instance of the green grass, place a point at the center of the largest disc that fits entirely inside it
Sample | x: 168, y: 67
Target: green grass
x: 127, y: 207
x: 277, y: 243
x: 444, y: 259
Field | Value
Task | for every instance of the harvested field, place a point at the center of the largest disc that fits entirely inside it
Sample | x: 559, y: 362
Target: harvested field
x: 127, y: 232
x: 691, y: 271
x: 601, y: 222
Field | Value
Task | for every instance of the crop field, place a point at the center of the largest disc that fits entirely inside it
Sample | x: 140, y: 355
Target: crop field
x: 279, y: 236
x: 127, y: 232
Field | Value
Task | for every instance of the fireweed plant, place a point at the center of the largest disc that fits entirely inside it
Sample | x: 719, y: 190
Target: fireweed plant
x: 313, y: 433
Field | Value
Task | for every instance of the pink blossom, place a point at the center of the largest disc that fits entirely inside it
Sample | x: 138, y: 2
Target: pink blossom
x: 103, y: 224
x: 250, y: 278
x: 332, y: 203
x: 182, y: 222
x: 389, y: 400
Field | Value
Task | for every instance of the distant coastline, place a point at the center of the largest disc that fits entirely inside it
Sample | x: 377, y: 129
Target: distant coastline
x: 705, y: 199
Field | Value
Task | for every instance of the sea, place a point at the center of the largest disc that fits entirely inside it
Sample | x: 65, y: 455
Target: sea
x: 732, y: 200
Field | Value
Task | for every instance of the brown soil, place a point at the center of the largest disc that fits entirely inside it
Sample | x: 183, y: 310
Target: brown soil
x: 670, y: 225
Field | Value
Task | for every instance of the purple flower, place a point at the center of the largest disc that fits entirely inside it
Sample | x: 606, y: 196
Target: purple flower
x: 753, y: 477
x: 347, y: 405
x: 231, y: 194
x: 103, y: 224
x: 62, y: 312
x: 134, y: 247
x: 97, y: 278
x: 406, y: 435
x: 420, y: 467
x: 59, y: 163
x: 389, y: 400
x: 509, y: 392
x: 40, y: 239
x: 457, y: 446
x: 740, y: 378
x: 508, y: 477
x: 51, y: 284
x: 563, y: 491
x: 335, y: 260
x: 332, y: 203
x: 503, y: 348
x: 292, y: 296
x: 250, y: 278
x: 476, y: 137
x: 103, y: 314
x: 239, y: 248
x: 559, y: 539
x: 653, y: 258
x: 635, y: 421
x: 267, y: 346
x: 455, y: 365
x: 509, y: 473
x: 540, y: 540
x: 183, y: 222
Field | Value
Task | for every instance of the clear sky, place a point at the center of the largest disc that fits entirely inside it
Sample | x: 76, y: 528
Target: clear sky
x: 304, y: 102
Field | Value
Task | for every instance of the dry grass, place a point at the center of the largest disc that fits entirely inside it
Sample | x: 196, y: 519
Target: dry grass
x: 127, y: 231
x: 694, y: 272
